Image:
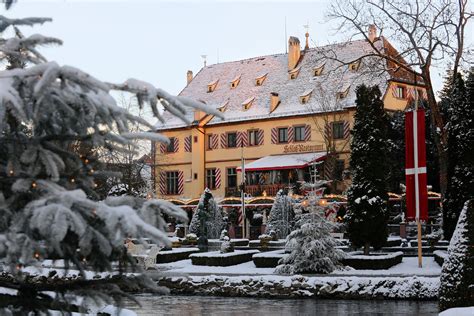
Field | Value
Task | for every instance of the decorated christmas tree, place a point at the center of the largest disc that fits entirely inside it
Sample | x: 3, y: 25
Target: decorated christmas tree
x: 281, y: 216
x: 207, y: 219
x: 311, y: 247
x: 367, y: 213
x: 47, y: 202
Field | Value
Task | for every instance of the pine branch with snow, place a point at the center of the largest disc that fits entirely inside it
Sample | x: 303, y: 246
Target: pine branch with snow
x: 50, y: 113
x: 281, y: 216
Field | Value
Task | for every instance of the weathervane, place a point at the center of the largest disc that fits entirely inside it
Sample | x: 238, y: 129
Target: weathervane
x: 306, y: 26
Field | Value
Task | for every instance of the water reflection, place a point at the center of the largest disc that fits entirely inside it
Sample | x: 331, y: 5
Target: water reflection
x: 210, y: 306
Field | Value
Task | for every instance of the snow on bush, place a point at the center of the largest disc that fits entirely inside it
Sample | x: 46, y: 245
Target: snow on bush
x: 207, y: 219
x: 313, y: 249
x: 281, y: 215
x: 457, y: 274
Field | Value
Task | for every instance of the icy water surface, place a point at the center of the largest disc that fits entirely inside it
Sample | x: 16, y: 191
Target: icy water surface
x: 210, y: 306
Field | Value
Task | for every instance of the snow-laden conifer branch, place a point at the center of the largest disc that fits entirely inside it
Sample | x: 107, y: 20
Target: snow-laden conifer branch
x: 6, y: 22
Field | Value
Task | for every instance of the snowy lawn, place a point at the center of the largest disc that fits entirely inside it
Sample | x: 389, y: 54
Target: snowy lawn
x: 408, y: 267
x: 458, y: 311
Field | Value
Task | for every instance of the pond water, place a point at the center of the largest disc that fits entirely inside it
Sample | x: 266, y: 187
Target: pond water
x: 209, y: 306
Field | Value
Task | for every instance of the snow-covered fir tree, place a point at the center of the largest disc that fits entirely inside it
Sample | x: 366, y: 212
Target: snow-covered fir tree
x: 460, y: 127
x: 47, y: 205
x: 311, y: 246
x: 207, y: 219
x: 457, y: 274
x: 367, y: 213
x: 281, y: 216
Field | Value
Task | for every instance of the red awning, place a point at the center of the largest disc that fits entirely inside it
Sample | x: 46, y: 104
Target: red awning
x: 281, y: 162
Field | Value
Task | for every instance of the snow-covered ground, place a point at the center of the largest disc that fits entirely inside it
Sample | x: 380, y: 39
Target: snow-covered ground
x: 408, y: 267
x: 458, y: 311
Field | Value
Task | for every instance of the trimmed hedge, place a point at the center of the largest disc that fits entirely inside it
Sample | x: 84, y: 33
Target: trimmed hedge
x: 267, y: 260
x: 223, y: 260
x: 439, y: 256
x: 374, y: 261
x: 171, y: 256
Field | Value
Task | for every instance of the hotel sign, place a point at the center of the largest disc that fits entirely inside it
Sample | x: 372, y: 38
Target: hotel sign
x: 301, y: 148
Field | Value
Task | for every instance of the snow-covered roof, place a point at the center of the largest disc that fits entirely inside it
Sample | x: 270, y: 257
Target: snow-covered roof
x: 334, y: 78
x: 288, y: 161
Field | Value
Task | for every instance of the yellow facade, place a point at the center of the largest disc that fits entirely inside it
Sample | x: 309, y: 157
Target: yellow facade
x: 194, y: 164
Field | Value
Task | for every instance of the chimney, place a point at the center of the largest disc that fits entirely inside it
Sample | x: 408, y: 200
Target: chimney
x: 294, y: 52
x: 189, y: 76
x: 274, y: 101
x: 372, y: 33
x: 306, y: 47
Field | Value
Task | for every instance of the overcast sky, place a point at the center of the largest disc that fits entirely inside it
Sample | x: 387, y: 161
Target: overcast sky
x: 158, y: 41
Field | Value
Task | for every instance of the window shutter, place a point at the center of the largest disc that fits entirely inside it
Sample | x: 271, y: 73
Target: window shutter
x: 163, y: 183
x: 274, y: 135
x: 224, y: 140
x: 187, y: 144
x: 180, y: 182
x: 291, y: 134
x: 327, y: 131
x: 218, y: 178
x: 242, y: 139
x: 307, y: 133
x: 260, y: 137
x: 394, y: 90
x: 215, y: 141
x: 347, y: 130
x: 176, y: 144
x: 328, y: 168
x: 162, y: 148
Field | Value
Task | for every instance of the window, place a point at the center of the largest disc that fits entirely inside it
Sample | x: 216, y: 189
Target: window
x: 209, y: 142
x: 253, y: 137
x: 318, y: 70
x: 400, y: 92
x: 212, y: 86
x: 248, y: 103
x: 260, y: 79
x: 338, y: 130
x: 283, y: 135
x: 170, y: 147
x: 231, y: 177
x: 211, y: 179
x: 172, y: 182
x: 354, y: 66
x: 231, y: 140
x: 299, y: 133
x: 338, y: 169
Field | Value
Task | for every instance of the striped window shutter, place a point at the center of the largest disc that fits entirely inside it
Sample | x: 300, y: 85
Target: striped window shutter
x: 307, y: 133
x: 176, y: 144
x: 224, y: 140
x: 327, y: 131
x: 215, y: 141
x: 274, y: 135
x: 242, y: 139
x: 218, y: 178
x: 260, y: 137
x: 180, y: 182
x: 291, y: 134
x: 394, y: 90
x: 347, y: 129
x: 162, y: 148
x: 187, y: 144
x: 163, y: 183
x: 328, y: 168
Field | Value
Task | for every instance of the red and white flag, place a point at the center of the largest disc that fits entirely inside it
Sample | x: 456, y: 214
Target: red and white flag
x: 415, y: 166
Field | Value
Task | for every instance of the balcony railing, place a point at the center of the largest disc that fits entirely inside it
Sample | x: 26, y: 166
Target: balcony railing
x: 256, y: 190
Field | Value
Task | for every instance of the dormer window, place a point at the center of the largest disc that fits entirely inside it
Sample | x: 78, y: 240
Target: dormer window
x: 260, y: 79
x: 318, y: 70
x: 304, y: 98
x: 294, y: 73
x: 354, y: 66
x: 342, y: 94
x: 248, y: 103
x: 212, y: 86
x: 235, y: 82
x: 223, y: 106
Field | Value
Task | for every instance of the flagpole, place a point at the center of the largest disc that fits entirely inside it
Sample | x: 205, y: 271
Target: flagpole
x: 417, y: 184
x: 242, y: 192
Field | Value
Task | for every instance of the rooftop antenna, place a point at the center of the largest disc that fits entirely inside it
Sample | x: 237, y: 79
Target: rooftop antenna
x: 286, y: 39
x: 204, y: 59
